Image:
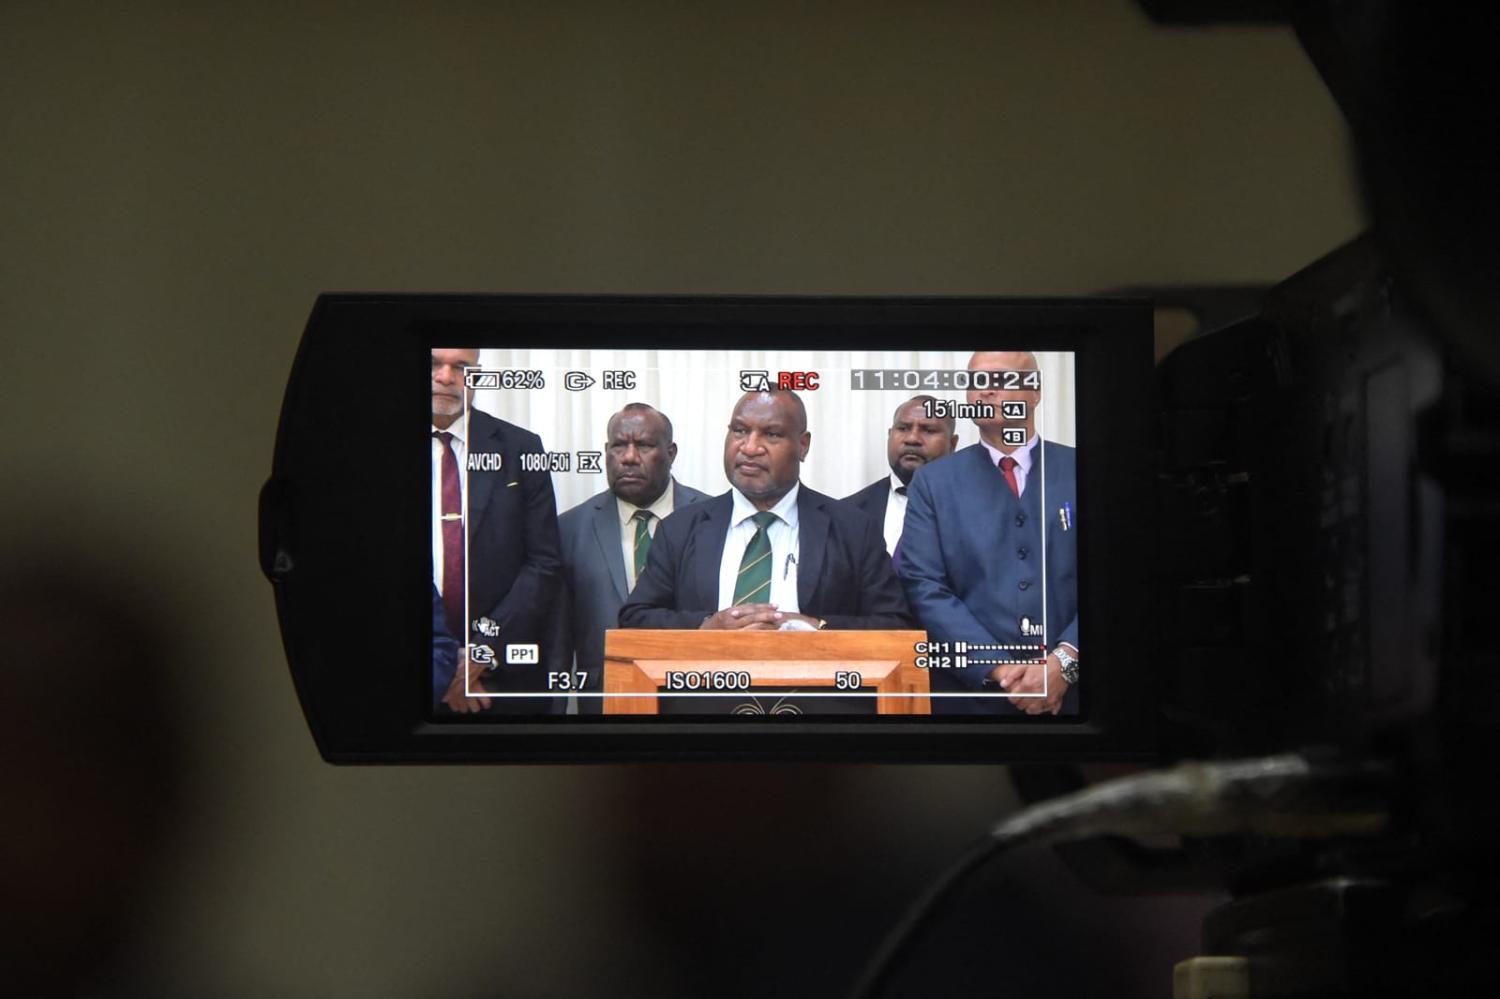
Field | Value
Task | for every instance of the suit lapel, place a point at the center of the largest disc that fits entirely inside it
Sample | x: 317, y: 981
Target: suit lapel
x: 1035, y: 481
x: 484, y: 436
x: 607, y: 536
x: 988, y: 478
x: 882, y: 500
x: 703, y: 561
x: 812, y: 541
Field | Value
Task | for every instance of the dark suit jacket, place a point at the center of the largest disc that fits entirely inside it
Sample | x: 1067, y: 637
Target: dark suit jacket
x: 843, y: 572
x: 972, y: 555
x: 444, y: 650
x: 872, y: 501
x: 514, y: 565
x: 594, y: 585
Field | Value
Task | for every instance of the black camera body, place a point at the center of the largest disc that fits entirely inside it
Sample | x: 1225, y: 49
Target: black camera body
x: 1304, y: 520
x: 1263, y: 538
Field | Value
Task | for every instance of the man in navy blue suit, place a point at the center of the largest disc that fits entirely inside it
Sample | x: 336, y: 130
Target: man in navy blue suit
x: 980, y: 527
x: 915, y: 438
x: 494, y: 524
x: 770, y: 553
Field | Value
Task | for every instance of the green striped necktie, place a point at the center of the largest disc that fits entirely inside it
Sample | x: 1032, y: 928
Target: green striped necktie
x: 642, y: 520
x: 753, y: 585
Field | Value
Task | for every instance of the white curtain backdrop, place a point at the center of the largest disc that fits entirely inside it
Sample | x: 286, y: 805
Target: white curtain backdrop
x: 697, y: 390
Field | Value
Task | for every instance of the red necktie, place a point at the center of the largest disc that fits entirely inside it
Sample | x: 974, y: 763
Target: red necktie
x: 453, y: 542
x: 1008, y: 466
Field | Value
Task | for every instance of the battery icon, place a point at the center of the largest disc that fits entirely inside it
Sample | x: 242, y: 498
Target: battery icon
x: 482, y: 380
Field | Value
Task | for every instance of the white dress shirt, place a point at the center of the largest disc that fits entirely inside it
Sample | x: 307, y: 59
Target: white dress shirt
x: 785, y: 540
x: 1023, y: 456
x: 461, y: 452
x: 895, y: 513
x: 626, y: 510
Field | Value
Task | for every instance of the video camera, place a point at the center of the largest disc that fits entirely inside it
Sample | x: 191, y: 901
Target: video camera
x: 1242, y: 541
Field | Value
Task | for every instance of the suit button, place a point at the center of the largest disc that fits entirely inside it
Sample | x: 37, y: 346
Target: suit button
x: 1020, y: 520
x: 1024, y: 584
x: 1022, y: 552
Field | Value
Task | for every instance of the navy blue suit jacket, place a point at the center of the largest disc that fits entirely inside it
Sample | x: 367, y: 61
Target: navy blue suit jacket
x: 971, y: 561
x: 444, y: 650
x: 514, y: 566
x: 844, y: 575
x: 873, y: 499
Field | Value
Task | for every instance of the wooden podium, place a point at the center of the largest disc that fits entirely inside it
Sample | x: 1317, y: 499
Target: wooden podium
x: 637, y: 663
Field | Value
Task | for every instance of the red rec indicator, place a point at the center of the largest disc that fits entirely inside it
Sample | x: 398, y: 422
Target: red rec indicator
x: 797, y: 381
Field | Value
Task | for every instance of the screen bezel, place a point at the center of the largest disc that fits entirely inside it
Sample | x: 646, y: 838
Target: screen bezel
x: 360, y: 651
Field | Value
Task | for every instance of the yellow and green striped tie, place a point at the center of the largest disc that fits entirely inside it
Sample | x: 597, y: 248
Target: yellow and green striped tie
x: 642, y: 540
x: 753, y: 585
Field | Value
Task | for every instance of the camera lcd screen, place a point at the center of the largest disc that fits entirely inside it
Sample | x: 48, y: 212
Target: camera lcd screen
x: 730, y: 527
x: 728, y: 535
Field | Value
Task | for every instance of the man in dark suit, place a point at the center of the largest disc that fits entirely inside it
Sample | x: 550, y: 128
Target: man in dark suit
x: 445, y: 651
x: 607, y: 537
x: 504, y: 536
x: 770, y: 553
x: 913, y: 440
x: 980, y: 526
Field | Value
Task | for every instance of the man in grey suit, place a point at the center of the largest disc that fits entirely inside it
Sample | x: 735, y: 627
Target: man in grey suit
x: 605, y: 540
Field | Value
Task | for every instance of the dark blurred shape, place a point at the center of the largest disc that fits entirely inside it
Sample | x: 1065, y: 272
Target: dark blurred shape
x: 766, y: 880
x: 1183, y: 311
x: 1026, y: 927
x: 1417, y: 83
x: 753, y: 880
x: 1191, y: 12
x: 92, y: 759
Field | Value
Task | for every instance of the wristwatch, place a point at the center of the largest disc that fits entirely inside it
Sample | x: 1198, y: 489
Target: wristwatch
x: 1068, y: 662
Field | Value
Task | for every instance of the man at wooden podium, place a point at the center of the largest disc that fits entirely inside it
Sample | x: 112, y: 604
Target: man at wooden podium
x: 770, y: 553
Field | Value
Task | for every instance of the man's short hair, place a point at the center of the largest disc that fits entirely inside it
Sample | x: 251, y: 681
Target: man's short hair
x: 1035, y: 364
x: 642, y: 407
x: 946, y: 418
x: 801, y: 408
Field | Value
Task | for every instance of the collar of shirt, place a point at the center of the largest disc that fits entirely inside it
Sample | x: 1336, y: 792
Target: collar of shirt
x: 456, y: 428
x: 895, y: 514
x: 660, y: 508
x: 1022, y: 455
x: 785, y: 508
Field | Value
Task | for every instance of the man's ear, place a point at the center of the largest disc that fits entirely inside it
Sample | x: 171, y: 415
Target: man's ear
x: 806, y: 443
x: 671, y: 453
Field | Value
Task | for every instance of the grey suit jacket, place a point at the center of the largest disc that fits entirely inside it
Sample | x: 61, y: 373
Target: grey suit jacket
x: 594, y: 586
